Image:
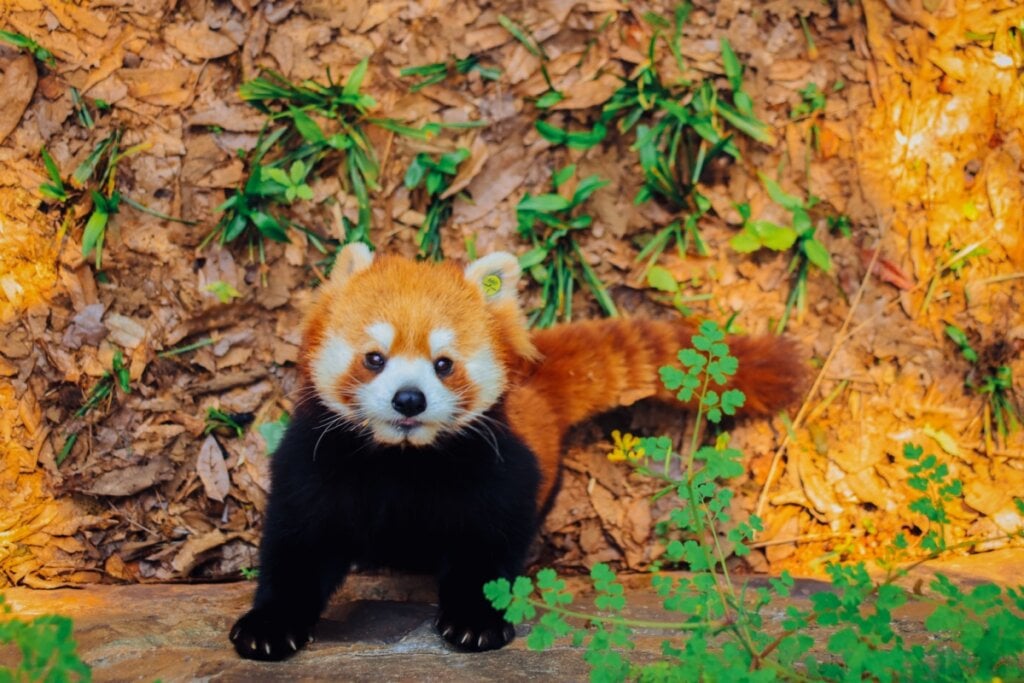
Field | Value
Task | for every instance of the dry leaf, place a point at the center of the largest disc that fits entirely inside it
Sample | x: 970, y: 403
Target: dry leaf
x: 789, y: 70
x: 501, y: 176
x: 188, y: 557
x: 18, y: 86
x: 86, y: 328
x: 128, y: 481
x: 198, y: 43
x: 166, y: 87
x: 784, y: 526
x: 591, y: 93
x: 72, y: 16
x: 212, y: 470
x: 234, y: 117
x: 817, y: 490
x: 124, y: 331
x: 479, y: 152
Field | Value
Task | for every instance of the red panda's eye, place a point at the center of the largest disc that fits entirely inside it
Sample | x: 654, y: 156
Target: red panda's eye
x: 443, y: 367
x: 374, y: 361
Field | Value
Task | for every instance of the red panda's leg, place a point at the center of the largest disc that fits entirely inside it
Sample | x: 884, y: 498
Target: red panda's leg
x: 303, y: 554
x: 297, y: 578
x: 497, y: 526
x: 465, y: 617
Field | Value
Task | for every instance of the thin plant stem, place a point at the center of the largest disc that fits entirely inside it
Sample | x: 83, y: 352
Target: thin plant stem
x: 625, y: 621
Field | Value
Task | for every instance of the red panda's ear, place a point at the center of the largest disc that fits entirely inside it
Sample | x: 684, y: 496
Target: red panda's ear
x: 351, y: 259
x: 496, y: 275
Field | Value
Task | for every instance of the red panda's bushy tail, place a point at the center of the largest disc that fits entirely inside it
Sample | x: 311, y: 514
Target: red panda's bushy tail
x: 593, y: 366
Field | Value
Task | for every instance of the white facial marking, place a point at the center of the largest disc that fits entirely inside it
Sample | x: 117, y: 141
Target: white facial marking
x: 383, y: 334
x: 440, y: 340
x: 401, y: 372
x: 488, y: 376
x: 331, y: 363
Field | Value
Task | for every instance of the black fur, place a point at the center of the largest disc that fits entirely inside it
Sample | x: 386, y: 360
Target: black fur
x: 464, y: 508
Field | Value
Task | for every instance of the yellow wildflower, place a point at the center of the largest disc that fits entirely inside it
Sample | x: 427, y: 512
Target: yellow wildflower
x: 626, y: 447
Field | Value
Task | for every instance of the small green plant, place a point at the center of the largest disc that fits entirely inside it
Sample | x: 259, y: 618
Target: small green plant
x: 551, y: 222
x: 434, y: 176
x: 761, y: 234
x: 232, y: 424
x: 224, y: 291
x: 680, y: 128
x: 553, y: 96
x: 47, y: 647
x: 997, y: 387
x: 82, y: 111
x: 185, y: 348
x: 96, y: 178
x: 931, y: 477
x: 839, y: 224
x: 959, y: 338
x: 25, y: 43
x: 250, y: 573
x: 991, y: 377
x: 811, y: 107
x: 273, y: 432
x: 719, y: 630
x: 662, y: 280
x: 799, y: 237
x: 309, y: 126
x: 293, y: 182
x: 431, y: 74
x: 119, y: 376
x: 55, y: 190
x: 812, y: 102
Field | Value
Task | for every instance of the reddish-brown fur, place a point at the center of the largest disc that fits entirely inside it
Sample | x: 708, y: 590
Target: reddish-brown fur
x: 556, y: 377
x: 593, y: 366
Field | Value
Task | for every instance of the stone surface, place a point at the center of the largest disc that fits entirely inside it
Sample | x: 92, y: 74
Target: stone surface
x: 379, y: 628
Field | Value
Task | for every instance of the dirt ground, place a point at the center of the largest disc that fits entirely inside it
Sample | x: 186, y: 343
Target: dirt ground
x: 381, y: 629
x: 919, y: 144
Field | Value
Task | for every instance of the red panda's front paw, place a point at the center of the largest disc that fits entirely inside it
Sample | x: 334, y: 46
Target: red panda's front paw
x: 265, y: 636
x: 490, y: 634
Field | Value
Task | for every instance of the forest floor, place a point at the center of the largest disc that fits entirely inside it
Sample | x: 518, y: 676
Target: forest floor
x: 911, y: 136
x: 379, y: 629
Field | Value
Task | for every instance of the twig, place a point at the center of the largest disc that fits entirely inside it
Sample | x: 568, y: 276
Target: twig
x: 855, y: 533
x: 803, y: 412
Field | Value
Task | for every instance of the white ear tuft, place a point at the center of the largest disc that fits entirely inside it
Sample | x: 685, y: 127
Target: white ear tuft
x: 351, y: 259
x: 496, y: 274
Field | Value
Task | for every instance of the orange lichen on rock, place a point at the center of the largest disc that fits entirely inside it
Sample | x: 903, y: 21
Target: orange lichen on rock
x: 947, y: 137
x: 28, y: 271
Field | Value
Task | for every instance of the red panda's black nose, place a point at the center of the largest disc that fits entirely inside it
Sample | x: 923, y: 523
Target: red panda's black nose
x: 409, y: 402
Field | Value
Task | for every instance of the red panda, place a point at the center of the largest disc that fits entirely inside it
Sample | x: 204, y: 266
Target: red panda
x: 431, y: 431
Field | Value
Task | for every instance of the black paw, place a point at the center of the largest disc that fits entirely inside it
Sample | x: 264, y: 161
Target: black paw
x: 491, y: 633
x: 262, y: 635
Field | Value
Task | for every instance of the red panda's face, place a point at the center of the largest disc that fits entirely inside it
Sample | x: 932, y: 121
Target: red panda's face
x: 410, y: 350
